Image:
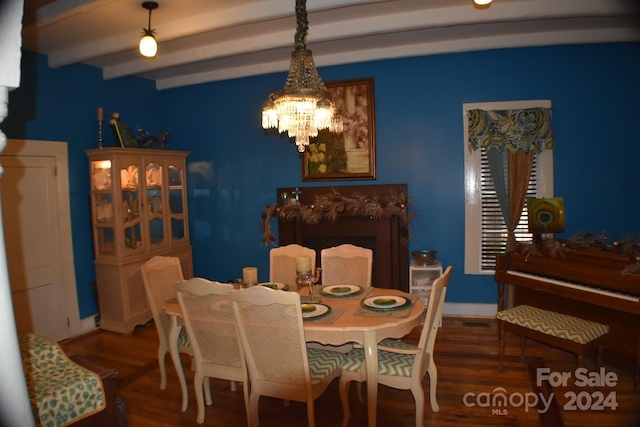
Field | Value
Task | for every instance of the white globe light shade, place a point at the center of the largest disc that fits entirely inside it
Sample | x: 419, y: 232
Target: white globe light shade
x: 482, y: 2
x: 148, y: 46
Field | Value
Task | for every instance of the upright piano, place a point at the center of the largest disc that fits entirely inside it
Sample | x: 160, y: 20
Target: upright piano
x: 589, y: 283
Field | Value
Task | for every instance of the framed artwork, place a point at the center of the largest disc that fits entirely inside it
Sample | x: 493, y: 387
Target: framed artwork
x: 350, y: 155
x: 546, y: 215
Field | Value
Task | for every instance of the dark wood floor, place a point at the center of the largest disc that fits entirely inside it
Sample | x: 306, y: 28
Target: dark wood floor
x: 465, y: 354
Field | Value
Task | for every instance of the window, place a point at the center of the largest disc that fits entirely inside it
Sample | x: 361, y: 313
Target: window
x: 485, y: 231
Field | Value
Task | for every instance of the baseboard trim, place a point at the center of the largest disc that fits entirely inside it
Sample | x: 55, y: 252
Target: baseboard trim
x: 87, y: 324
x: 469, y: 310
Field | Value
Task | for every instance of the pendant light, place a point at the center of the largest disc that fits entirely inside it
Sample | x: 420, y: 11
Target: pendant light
x: 482, y: 4
x: 148, y: 44
x: 304, y: 105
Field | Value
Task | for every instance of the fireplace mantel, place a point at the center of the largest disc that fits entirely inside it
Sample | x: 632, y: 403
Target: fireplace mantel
x: 384, y: 235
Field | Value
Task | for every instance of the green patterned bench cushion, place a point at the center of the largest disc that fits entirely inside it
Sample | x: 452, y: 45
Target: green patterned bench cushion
x: 60, y: 390
x: 396, y: 364
x: 552, y: 323
x: 322, y: 363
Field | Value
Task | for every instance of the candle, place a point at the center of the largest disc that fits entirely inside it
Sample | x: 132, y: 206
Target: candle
x: 250, y: 276
x: 303, y: 264
x: 100, y: 114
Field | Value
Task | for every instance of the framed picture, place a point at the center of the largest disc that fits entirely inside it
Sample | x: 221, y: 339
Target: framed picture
x: 546, y: 215
x: 350, y: 155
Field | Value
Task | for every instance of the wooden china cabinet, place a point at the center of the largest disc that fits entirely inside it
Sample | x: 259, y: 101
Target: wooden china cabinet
x: 139, y: 210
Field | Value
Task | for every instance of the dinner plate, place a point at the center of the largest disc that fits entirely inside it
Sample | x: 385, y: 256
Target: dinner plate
x: 154, y: 175
x: 341, y: 290
x: 385, y: 302
x: 104, y: 211
x: 129, y: 177
x: 224, y: 306
x: 101, y: 179
x: 314, y: 310
x: 276, y: 285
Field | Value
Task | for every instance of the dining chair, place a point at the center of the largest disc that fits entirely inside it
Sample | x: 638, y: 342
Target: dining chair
x: 270, y: 329
x: 159, y: 275
x: 402, y: 365
x: 208, y: 320
x: 282, y: 263
x: 346, y: 264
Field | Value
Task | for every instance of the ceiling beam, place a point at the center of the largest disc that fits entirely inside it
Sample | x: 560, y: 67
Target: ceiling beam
x: 363, y: 27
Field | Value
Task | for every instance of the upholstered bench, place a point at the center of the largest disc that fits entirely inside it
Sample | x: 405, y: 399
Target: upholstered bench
x: 67, y: 390
x: 555, y: 329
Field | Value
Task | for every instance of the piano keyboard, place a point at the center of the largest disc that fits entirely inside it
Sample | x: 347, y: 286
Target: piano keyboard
x: 575, y: 286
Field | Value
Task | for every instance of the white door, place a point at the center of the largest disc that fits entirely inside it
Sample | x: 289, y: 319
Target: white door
x: 32, y: 237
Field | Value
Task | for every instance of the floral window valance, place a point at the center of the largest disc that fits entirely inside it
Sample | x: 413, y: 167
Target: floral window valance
x: 523, y: 129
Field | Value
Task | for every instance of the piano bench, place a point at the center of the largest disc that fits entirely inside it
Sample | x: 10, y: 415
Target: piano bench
x: 555, y: 329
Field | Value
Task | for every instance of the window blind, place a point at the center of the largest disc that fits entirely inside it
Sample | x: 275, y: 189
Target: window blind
x: 493, y: 239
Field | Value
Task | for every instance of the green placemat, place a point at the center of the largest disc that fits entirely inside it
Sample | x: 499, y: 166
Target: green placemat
x: 401, y: 312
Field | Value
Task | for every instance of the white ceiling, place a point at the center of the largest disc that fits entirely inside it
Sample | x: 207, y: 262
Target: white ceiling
x: 210, y: 40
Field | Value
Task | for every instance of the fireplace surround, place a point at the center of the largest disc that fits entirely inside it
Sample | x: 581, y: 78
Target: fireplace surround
x: 386, y: 235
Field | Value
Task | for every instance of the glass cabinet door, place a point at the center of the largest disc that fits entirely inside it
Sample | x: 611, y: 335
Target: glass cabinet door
x: 102, y: 199
x: 138, y: 202
x: 176, y: 203
x: 155, y: 203
x: 130, y: 186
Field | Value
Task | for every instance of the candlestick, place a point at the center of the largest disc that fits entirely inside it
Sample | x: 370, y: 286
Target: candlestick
x: 303, y: 264
x: 100, y: 134
x: 100, y: 122
x: 250, y: 276
x: 306, y: 279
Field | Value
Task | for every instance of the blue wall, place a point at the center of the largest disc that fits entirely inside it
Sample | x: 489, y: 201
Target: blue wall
x: 61, y: 105
x: 235, y: 167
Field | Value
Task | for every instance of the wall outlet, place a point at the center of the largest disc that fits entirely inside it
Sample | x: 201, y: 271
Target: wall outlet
x: 97, y: 320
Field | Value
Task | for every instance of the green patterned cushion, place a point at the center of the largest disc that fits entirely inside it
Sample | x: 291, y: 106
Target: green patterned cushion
x: 399, y: 365
x: 552, y: 323
x: 183, y: 339
x: 322, y: 363
x: 60, y: 390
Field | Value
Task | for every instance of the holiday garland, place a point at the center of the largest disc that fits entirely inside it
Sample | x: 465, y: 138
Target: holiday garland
x: 556, y: 249
x: 334, y: 204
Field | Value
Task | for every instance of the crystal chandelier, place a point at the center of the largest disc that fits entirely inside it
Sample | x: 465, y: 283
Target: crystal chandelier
x: 304, y: 105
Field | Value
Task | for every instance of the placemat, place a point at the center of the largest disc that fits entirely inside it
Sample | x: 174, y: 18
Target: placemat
x: 402, y: 312
x: 329, y: 318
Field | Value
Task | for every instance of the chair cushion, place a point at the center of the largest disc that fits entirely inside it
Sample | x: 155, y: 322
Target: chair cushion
x: 183, y: 339
x: 552, y: 323
x: 322, y: 363
x: 399, y: 365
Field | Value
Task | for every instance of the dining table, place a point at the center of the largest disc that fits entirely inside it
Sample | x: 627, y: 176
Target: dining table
x: 350, y: 319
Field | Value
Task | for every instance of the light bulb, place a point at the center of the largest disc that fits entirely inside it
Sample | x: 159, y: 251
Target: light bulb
x: 148, y: 46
